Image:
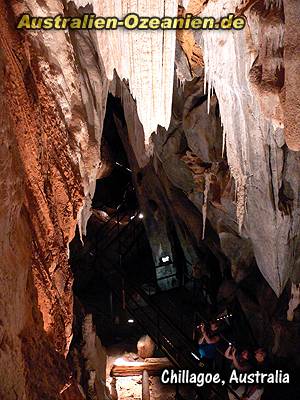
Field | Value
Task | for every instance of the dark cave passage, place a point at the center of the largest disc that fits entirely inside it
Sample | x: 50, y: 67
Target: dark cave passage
x: 117, y: 186
x: 150, y: 200
x: 133, y: 287
x: 115, y: 208
x: 117, y: 282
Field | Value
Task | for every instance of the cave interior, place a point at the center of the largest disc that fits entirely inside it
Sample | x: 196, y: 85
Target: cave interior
x: 150, y: 201
x: 131, y: 292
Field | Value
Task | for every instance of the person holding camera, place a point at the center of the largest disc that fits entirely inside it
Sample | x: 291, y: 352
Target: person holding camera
x: 208, y: 341
x: 241, y: 361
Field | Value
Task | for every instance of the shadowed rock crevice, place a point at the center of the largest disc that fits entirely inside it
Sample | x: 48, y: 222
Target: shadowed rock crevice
x: 216, y: 183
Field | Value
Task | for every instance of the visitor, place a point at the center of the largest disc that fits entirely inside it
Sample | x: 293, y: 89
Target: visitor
x: 208, y: 341
x: 261, y: 360
x: 241, y: 361
x: 255, y: 392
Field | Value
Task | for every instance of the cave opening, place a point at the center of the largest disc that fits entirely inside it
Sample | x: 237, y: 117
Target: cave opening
x: 177, y: 154
x: 117, y: 181
x: 132, y: 287
x: 142, y: 275
x: 115, y: 210
x: 114, y: 260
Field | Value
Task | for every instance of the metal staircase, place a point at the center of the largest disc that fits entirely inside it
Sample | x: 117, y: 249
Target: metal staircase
x: 116, y: 239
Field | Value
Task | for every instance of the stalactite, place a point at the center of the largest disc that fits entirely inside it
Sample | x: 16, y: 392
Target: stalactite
x: 231, y: 114
x: 273, y: 3
x: 248, y: 130
x: 147, y: 59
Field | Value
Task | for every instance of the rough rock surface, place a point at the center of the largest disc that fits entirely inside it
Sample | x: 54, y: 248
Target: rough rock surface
x: 147, y: 60
x: 145, y: 347
x: 49, y: 159
x: 87, y: 359
x: 249, y: 100
x: 187, y: 179
x: 53, y: 97
x: 291, y: 102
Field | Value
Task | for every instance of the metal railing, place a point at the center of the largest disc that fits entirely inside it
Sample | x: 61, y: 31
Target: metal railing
x: 168, y: 336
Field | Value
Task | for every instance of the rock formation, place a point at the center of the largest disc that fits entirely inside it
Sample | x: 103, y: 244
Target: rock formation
x: 218, y: 178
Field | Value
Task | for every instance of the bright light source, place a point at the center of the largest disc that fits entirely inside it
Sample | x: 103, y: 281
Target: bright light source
x: 224, y: 317
x: 165, y: 259
x: 122, y: 362
x: 132, y: 217
x: 141, y: 216
x: 130, y: 321
x: 194, y: 355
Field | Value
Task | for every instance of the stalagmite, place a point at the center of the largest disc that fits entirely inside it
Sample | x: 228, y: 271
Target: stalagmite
x: 77, y: 106
x: 145, y: 347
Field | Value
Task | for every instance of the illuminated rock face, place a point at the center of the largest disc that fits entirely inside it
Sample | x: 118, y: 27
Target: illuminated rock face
x: 252, y: 118
x: 251, y: 112
x: 144, y: 58
x: 50, y: 152
x: 53, y: 98
x: 292, y: 70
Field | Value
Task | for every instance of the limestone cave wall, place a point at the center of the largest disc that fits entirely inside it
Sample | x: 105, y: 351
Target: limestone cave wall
x: 50, y: 159
x: 225, y: 183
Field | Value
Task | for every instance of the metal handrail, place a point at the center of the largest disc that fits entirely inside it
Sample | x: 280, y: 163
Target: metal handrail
x: 161, y: 315
x: 167, y: 345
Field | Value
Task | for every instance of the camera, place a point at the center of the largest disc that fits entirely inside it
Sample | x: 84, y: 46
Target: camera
x: 203, y: 324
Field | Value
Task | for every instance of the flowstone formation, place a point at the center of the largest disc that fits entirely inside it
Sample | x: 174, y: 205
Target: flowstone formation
x: 144, y: 58
x: 250, y: 98
x: 253, y: 128
x: 212, y: 141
